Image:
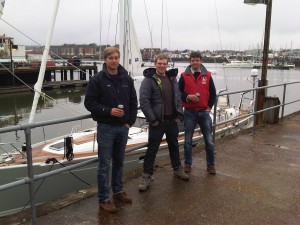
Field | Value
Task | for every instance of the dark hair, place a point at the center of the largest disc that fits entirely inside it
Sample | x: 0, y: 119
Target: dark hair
x: 161, y: 56
x: 195, y: 55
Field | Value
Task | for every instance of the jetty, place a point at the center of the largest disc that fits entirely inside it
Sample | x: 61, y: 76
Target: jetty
x: 257, y: 182
x: 29, y: 75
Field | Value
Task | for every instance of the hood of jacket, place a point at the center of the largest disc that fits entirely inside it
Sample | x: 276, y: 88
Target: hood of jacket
x: 188, y: 70
x: 150, y: 72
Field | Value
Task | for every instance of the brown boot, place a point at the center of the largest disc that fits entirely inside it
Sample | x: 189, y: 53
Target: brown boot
x: 122, y: 197
x: 211, y: 169
x: 108, y: 206
x: 187, y: 168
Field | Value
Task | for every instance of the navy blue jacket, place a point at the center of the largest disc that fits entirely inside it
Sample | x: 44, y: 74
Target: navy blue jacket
x: 104, y: 93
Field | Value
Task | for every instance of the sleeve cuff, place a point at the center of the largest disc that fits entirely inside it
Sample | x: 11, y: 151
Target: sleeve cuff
x: 187, y: 98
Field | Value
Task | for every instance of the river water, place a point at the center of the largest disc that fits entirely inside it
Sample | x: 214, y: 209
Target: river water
x: 15, y: 108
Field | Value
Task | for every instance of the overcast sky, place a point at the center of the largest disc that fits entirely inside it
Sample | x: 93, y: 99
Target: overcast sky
x: 188, y: 24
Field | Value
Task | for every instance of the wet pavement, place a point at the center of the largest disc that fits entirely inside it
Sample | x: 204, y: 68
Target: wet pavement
x: 257, y: 182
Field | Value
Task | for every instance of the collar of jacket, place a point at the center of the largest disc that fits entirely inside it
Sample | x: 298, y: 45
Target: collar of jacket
x: 203, y: 70
x: 122, y: 72
x: 149, y: 72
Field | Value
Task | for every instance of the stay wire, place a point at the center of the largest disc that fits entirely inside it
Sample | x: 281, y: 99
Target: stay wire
x: 100, y: 30
x: 47, y: 97
x: 162, y: 23
x: 221, y: 47
x: 129, y: 38
x: 168, y: 25
x: 53, y: 53
x: 24, y: 155
x: 49, y: 171
x: 149, y: 28
x: 43, y: 94
x: 16, y: 76
x: 37, y: 188
x: 109, y: 22
x: 74, y: 174
x: 116, y: 33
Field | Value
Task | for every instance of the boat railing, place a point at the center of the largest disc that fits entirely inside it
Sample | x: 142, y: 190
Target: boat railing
x: 76, y: 129
x: 32, y: 178
x: 252, y: 113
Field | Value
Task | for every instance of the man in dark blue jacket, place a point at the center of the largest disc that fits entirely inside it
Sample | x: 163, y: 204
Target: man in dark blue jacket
x: 111, y: 99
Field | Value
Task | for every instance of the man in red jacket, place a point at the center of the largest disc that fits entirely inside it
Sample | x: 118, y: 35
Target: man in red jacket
x: 198, y: 95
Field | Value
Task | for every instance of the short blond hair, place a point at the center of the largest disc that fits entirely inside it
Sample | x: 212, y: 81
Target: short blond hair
x: 110, y: 50
x: 161, y: 56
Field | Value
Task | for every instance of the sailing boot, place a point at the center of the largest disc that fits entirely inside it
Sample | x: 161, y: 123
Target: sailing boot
x: 146, y: 182
x: 179, y: 173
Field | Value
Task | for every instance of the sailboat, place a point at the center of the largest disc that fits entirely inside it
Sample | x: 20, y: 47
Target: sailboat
x: 241, y: 64
x: 129, y: 45
x: 80, y: 145
x: 46, y: 157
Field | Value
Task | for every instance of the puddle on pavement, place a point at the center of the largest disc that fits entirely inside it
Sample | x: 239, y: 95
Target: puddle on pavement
x: 278, y: 146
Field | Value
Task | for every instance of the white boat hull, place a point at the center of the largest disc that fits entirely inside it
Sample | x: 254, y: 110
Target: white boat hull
x: 56, y: 186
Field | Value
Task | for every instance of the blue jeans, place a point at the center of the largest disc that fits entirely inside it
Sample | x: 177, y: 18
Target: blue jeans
x: 191, y: 119
x: 170, y: 128
x: 112, y: 140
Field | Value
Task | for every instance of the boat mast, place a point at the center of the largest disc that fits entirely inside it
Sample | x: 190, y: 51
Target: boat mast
x: 39, y: 83
x: 129, y: 46
x: 124, y: 21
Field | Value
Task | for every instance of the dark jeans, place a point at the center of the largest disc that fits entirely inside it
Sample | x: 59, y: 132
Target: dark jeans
x: 168, y: 127
x: 191, y: 119
x: 112, y: 140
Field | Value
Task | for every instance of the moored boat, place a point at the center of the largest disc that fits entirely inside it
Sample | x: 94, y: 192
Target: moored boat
x: 54, y: 154
x: 241, y: 64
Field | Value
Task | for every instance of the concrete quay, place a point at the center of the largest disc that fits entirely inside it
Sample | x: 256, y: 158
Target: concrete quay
x: 257, y: 182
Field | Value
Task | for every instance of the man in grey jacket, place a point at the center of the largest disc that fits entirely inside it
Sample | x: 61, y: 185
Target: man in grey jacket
x: 161, y: 104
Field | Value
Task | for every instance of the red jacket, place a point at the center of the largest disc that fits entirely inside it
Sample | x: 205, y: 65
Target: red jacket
x: 193, y: 86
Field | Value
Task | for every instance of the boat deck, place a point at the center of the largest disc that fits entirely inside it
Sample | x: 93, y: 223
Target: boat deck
x: 257, y: 182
